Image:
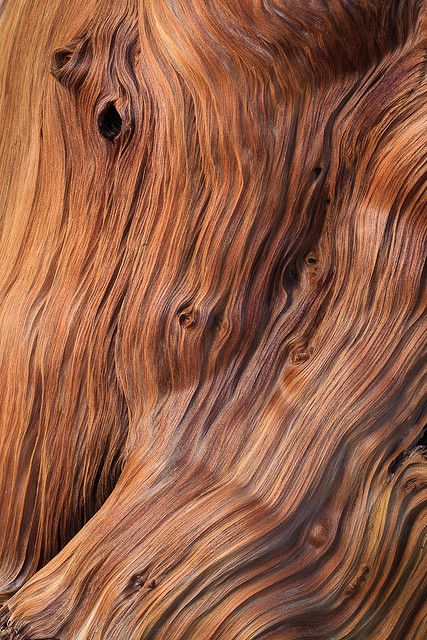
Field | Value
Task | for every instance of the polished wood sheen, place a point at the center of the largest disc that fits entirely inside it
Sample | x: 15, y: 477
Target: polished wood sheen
x: 212, y: 320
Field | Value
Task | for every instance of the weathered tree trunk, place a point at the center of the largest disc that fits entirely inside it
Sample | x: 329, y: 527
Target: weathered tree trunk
x: 213, y: 234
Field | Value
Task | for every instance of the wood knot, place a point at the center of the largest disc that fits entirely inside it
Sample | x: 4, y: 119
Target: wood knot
x: 70, y: 64
x: 355, y: 587
x: 138, y: 581
x: 318, y: 535
x: 60, y: 58
x: 411, y: 485
x: 110, y: 122
x: 187, y: 319
x: 301, y: 354
x: 311, y: 260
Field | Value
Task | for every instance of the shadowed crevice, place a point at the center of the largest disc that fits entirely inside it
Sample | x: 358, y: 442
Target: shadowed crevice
x: 110, y: 122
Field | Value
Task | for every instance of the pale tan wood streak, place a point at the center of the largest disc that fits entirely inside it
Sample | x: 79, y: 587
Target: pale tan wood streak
x: 212, y: 320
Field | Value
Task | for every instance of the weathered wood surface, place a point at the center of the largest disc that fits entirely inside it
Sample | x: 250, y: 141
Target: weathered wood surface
x: 211, y: 322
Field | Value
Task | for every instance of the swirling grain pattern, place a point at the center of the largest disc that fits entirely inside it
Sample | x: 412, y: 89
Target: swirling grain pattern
x: 212, y: 320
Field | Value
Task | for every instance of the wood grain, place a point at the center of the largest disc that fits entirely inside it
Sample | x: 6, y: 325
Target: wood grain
x: 212, y: 320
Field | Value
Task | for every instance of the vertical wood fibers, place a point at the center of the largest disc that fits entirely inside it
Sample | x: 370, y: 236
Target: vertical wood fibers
x: 212, y: 320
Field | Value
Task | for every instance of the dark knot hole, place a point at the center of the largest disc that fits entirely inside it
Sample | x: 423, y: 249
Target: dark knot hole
x: 311, y: 260
x: 60, y: 58
x: 110, y: 122
x: 187, y: 319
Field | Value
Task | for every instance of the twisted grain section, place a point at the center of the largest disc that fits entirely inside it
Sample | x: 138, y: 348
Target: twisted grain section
x: 212, y: 320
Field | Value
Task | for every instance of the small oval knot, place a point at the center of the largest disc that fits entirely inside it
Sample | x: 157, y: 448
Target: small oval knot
x: 318, y: 535
x: 70, y: 64
x: 311, y: 260
x: 136, y: 582
x: 411, y: 485
x: 355, y: 586
x: 187, y: 318
x: 110, y: 122
x: 301, y: 354
x: 60, y: 58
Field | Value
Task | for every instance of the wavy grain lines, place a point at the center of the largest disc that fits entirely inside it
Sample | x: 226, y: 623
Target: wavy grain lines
x: 212, y: 320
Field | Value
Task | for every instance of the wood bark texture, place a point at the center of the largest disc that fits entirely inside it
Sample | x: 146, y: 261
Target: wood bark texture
x: 212, y: 320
